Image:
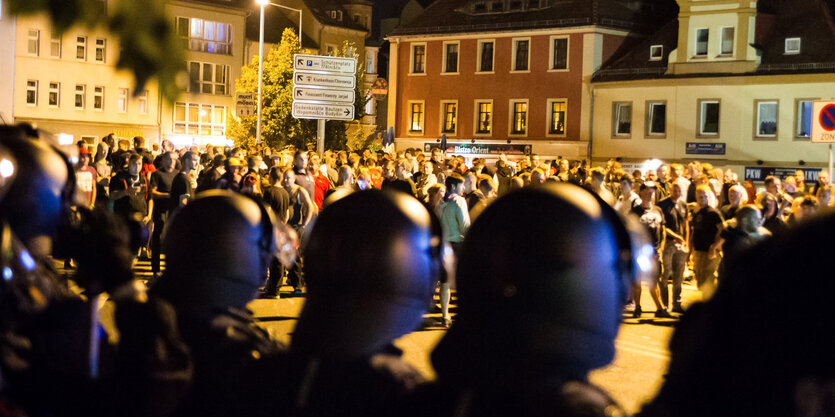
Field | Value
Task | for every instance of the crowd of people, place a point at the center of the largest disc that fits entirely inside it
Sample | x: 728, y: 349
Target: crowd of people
x: 544, y: 254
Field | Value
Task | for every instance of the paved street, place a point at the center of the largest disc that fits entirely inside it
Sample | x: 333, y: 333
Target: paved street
x: 632, y: 379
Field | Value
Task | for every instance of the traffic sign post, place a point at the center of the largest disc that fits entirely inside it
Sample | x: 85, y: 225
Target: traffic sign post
x: 823, y: 127
x: 323, y: 89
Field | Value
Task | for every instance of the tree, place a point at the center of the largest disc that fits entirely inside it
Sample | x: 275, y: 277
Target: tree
x: 278, y: 126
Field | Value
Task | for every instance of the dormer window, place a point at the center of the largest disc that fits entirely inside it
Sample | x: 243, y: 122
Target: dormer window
x: 533, y: 4
x: 792, y: 46
x: 656, y: 52
x: 516, y: 5
x: 480, y: 8
x: 336, y: 15
x: 497, y: 6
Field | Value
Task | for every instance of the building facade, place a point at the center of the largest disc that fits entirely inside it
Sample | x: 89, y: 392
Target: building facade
x: 731, y: 82
x: 504, y: 72
x: 7, y: 52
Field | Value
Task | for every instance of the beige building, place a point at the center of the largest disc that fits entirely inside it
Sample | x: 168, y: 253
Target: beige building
x: 7, y: 51
x: 731, y: 82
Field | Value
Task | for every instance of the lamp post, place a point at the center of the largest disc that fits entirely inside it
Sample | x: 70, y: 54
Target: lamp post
x: 263, y: 4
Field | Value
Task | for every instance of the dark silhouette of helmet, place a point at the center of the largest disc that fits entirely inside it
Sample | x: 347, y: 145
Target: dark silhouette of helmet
x: 370, y: 263
x: 35, y: 202
x: 217, y: 250
x: 542, y: 277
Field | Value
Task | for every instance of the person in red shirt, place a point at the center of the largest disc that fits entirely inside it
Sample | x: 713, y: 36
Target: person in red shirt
x: 321, y: 183
x: 375, y: 172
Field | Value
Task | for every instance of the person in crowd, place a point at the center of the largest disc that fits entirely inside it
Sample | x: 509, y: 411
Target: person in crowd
x: 182, y: 186
x: 806, y: 208
x: 160, y: 191
x: 485, y: 194
x: 455, y: 220
x: 139, y: 147
x: 705, y: 241
x: 535, y: 315
x: 402, y: 182
x: 652, y: 218
x: 675, y: 252
x: 299, y: 213
x: 823, y: 180
x: 800, y: 182
x: 735, y: 197
x: 537, y: 177
x: 628, y: 198
x: 231, y: 178
x: 104, y: 171
x: 744, y: 233
x: 301, y: 175
x: 424, y: 179
x: 772, y: 213
x: 130, y: 194
x: 277, y: 198
x: 597, y: 186
x: 86, y: 178
x: 824, y: 195
x: 663, y: 183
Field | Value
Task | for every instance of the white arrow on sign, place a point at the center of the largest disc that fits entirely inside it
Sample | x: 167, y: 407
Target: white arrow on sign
x: 324, y: 80
x: 330, y: 95
x: 325, y: 63
x: 323, y: 111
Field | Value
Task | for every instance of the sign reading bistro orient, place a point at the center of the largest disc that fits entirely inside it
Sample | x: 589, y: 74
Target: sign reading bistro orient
x: 480, y: 148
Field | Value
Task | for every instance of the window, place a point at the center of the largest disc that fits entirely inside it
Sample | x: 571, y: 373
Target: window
x: 449, y: 115
x: 556, y: 117
x: 80, y: 96
x: 485, y: 56
x: 480, y: 8
x: 370, y: 63
x: 559, y: 53
x: 356, y: 18
x: 122, y: 101
x: 205, y: 36
x: 622, y: 120
x: 804, y: 119
x: 484, y: 117
x: 708, y: 117
x: 32, y: 92
x: 336, y: 15
x: 418, y: 58
x: 792, y: 46
x: 98, y: 98
x: 518, y: 117
x: 726, y: 46
x: 34, y: 44
x: 55, y: 45
x: 199, y: 119
x: 451, y: 58
x: 208, y: 78
x: 54, y: 97
x: 81, y: 48
x: 656, y: 118
x: 142, y: 102
x: 100, y: 50
x: 515, y: 5
x: 520, y: 55
x: 656, y: 52
x: 497, y: 6
x: 701, y: 42
x: 416, y: 116
x: 766, y: 119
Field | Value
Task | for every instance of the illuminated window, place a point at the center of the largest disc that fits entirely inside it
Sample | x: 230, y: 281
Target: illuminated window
x: 518, y: 117
x: 100, y: 51
x: 450, y: 117
x: 81, y: 48
x: 122, y: 101
x: 556, y: 117
x: 33, y: 46
x: 80, y: 97
x: 416, y: 117
x: 484, y: 117
x: 199, y: 119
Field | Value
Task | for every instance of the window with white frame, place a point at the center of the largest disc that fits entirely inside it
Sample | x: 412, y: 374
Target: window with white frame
x: 32, y: 92
x: 449, y: 117
x: 518, y: 117
x: 122, y: 100
x: 80, y: 96
x: 199, y: 119
x: 33, y: 45
x: 371, y: 63
x: 54, y: 94
x: 521, y: 54
x: 622, y: 119
x: 485, y: 56
x: 656, y: 118
x: 81, y: 48
x: 142, y: 102
x: 709, y: 117
x: 451, y: 57
x: 100, y: 50
x: 416, y: 116
x: 656, y: 52
x: 556, y: 116
x: 208, y: 78
x: 55, y: 45
x: 804, y: 119
x: 559, y: 53
x: 483, y: 117
x: 792, y: 46
x: 418, y: 59
x: 205, y: 36
x: 370, y: 107
x: 767, y: 111
x: 702, y: 38
x: 98, y: 98
x: 726, y: 41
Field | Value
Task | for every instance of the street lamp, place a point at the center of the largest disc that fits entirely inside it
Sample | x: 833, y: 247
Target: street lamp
x: 264, y: 3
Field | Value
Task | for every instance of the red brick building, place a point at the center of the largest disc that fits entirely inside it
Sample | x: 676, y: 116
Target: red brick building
x: 494, y: 71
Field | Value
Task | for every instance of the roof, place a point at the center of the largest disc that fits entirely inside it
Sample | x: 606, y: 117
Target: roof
x: 275, y: 21
x: 321, y: 9
x: 457, y: 16
x: 778, y: 20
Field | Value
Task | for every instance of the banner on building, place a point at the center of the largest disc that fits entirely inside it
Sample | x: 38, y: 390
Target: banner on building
x: 481, y: 148
x: 759, y: 173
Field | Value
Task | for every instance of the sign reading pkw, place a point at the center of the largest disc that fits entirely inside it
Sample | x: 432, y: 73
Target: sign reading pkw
x: 325, y: 63
x: 323, y: 111
x: 823, y: 122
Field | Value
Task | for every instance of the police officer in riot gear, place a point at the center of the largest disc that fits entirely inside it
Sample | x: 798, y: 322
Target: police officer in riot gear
x: 218, y: 248
x: 537, y: 311
x: 369, y: 280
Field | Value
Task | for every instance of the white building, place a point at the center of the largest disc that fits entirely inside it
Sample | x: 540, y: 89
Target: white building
x: 7, y: 49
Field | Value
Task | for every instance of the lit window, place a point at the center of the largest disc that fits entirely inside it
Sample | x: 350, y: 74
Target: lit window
x: 708, y: 117
x: 702, y: 36
x: 451, y: 57
x: 450, y: 117
x: 656, y: 52
x: 518, y: 117
x: 418, y: 59
x: 484, y: 117
x: 98, y: 98
x: 416, y: 117
x: 792, y: 46
x: 122, y: 100
x: 622, y: 119
x: 767, y: 119
x: 54, y: 97
x: 520, y: 60
x: 32, y: 92
x: 205, y: 36
x: 656, y: 118
x: 100, y: 51
x: 142, y: 102
x: 197, y: 119
x: 556, y: 116
x: 727, y: 41
x: 81, y: 48
x: 559, y: 54
x: 804, y: 119
x: 55, y: 45
x: 80, y: 96
x: 34, y: 43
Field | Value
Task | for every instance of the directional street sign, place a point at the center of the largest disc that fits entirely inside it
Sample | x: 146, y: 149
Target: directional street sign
x: 823, y: 122
x: 323, y: 111
x: 324, y: 80
x: 325, y: 63
x: 324, y: 94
